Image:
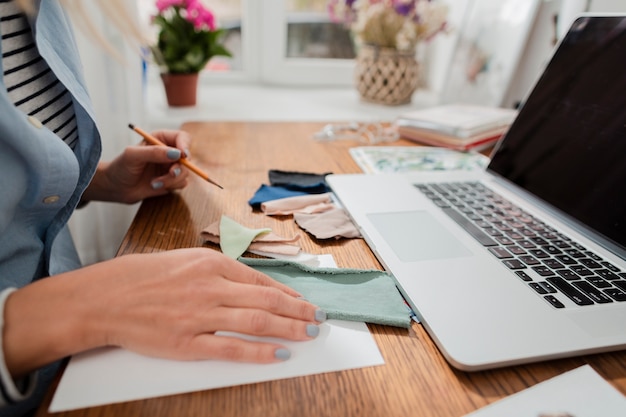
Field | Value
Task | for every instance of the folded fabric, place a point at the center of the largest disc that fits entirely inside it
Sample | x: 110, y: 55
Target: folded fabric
x: 333, y: 223
x: 344, y: 294
x: 313, y: 203
x: 270, y: 192
x: 295, y: 178
x: 234, y: 239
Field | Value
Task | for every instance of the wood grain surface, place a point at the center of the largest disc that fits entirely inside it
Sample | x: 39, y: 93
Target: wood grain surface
x: 415, y: 380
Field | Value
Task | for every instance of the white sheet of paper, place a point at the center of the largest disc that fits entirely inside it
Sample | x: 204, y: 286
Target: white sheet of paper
x: 581, y: 392
x: 112, y: 375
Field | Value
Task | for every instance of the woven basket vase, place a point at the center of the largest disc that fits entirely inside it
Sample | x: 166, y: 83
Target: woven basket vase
x: 386, y: 75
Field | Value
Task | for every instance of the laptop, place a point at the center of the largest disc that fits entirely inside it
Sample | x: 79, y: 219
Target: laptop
x: 526, y: 260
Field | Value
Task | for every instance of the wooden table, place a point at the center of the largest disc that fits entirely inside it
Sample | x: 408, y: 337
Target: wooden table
x: 415, y: 380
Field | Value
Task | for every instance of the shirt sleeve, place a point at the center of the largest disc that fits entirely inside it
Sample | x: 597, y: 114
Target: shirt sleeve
x: 12, y: 391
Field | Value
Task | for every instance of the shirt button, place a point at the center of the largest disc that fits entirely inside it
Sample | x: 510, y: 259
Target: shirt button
x: 51, y: 199
x: 35, y: 122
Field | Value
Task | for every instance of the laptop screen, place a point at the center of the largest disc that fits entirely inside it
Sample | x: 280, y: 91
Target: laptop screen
x: 568, y: 144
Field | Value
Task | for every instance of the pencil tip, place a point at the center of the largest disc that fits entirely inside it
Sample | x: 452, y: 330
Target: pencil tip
x: 214, y: 183
x: 132, y: 126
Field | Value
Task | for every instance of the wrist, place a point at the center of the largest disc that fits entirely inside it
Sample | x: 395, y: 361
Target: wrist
x: 46, y: 321
x: 99, y: 189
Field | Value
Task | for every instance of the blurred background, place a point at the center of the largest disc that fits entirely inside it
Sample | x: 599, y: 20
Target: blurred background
x: 290, y: 62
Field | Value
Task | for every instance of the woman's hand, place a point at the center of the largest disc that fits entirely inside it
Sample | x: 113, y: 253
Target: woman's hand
x: 168, y: 304
x: 142, y: 171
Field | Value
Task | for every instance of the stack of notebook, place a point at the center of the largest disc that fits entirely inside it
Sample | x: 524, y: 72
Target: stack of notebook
x: 457, y: 126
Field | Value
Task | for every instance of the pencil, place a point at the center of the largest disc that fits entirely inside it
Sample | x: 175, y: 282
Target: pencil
x: 183, y: 160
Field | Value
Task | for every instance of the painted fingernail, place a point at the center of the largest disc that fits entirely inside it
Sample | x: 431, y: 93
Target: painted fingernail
x: 320, y: 316
x: 282, y: 354
x: 312, y: 330
x: 173, y: 154
x: 187, y: 153
x: 177, y: 172
x: 156, y: 185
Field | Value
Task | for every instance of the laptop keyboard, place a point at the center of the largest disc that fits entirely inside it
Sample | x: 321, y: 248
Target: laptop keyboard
x: 547, y: 260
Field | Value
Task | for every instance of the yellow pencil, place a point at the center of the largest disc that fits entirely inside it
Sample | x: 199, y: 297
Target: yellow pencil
x: 183, y: 160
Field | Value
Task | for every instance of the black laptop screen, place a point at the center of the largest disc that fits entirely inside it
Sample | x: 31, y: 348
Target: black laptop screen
x: 568, y: 143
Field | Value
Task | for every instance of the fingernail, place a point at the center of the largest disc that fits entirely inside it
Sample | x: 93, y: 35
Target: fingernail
x: 173, y: 154
x: 303, y: 298
x: 156, y: 185
x: 282, y: 354
x: 177, y: 172
x: 320, y: 316
x: 312, y: 330
x: 187, y: 153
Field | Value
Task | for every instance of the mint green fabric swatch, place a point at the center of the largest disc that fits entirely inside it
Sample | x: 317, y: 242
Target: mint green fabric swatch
x: 344, y: 294
x: 235, y: 238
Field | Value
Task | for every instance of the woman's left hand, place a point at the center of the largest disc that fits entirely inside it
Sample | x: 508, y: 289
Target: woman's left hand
x: 142, y: 171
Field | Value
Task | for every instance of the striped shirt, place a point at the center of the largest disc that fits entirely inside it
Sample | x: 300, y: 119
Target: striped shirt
x: 30, y: 83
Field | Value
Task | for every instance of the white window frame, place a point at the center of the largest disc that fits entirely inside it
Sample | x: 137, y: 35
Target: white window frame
x: 276, y: 68
x: 264, y: 23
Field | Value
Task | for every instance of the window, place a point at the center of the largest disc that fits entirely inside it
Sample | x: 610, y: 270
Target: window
x: 283, y: 42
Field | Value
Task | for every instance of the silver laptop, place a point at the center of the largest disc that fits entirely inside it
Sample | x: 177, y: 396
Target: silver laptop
x: 525, y: 261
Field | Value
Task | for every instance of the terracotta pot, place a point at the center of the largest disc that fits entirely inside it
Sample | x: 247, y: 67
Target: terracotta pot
x: 385, y: 75
x: 180, y: 89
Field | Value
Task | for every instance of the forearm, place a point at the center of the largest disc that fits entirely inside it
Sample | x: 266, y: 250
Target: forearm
x: 13, y: 390
x: 48, y: 320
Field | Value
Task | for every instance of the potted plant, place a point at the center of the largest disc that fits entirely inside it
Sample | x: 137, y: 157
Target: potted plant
x: 188, y: 38
x: 386, y: 35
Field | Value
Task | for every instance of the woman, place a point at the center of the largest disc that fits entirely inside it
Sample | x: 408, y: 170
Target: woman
x: 167, y: 304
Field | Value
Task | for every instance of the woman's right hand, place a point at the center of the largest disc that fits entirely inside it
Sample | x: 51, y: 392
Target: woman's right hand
x: 167, y: 304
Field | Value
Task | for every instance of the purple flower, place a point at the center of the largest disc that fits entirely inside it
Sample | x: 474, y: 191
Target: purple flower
x: 404, y: 7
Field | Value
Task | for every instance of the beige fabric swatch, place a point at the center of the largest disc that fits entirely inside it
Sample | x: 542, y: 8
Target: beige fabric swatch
x: 332, y: 223
x: 237, y: 239
x: 311, y: 203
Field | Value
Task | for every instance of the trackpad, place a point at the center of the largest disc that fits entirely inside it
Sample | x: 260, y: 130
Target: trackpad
x: 417, y: 236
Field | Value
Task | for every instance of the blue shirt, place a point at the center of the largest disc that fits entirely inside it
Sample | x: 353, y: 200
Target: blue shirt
x: 41, y: 178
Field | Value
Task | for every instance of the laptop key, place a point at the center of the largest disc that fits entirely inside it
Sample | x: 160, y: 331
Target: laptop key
x: 553, y: 263
x: 526, y: 244
x: 574, y: 253
x: 537, y: 287
x: 554, y: 301
x: 581, y: 270
x: 568, y: 274
x: 571, y: 292
x: 566, y: 259
x: 503, y: 240
x: 548, y: 287
x: 529, y: 260
x: 500, y: 253
x: 616, y: 294
x: 593, y: 293
x: 610, y: 266
x: 590, y: 263
x: 524, y: 276
x: 552, y: 250
x: 514, y: 264
x: 606, y: 274
x: 543, y: 271
x: 598, y: 282
x: 476, y: 233
x: 516, y: 250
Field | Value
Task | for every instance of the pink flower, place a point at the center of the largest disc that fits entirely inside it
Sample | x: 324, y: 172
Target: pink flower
x: 166, y: 4
x: 200, y: 16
